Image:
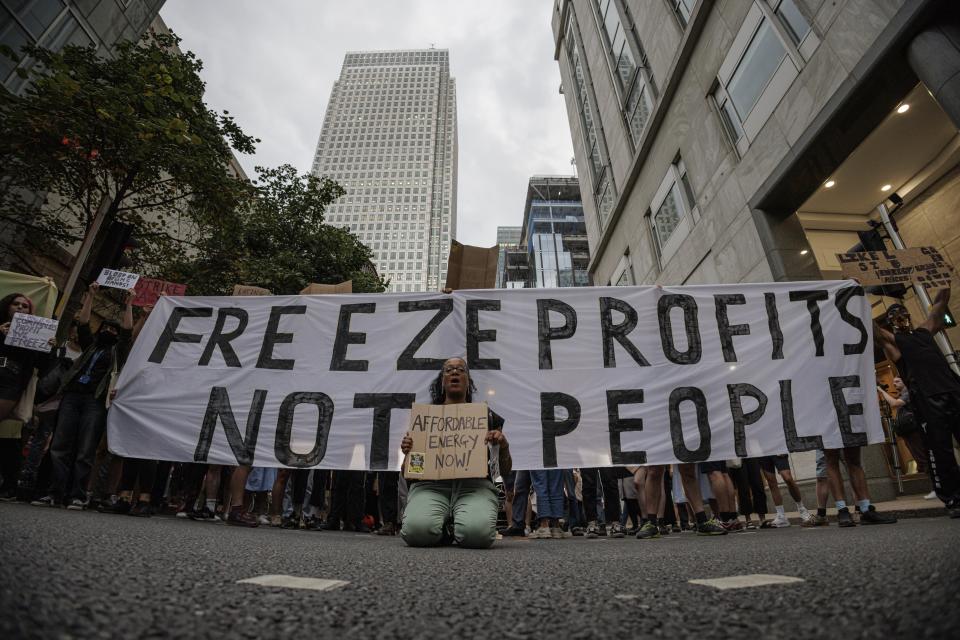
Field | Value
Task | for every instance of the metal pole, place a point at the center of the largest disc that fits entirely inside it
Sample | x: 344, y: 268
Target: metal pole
x: 942, y: 340
x: 82, y: 254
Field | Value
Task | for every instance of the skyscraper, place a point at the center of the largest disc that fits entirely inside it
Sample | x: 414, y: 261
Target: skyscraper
x: 390, y: 138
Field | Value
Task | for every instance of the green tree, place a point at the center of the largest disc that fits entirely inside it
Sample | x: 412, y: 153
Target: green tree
x: 132, y: 132
x: 280, y: 242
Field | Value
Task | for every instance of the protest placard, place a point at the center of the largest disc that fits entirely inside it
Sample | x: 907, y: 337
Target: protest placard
x: 919, y: 265
x: 314, y: 289
x: 117, y: 279
x: 448, y: 441
x: 471, y: 267
x: 249, y: 290
x: 31, y: 332
x: 148, y: 291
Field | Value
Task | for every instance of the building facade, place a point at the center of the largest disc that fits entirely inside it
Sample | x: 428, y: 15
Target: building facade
x: 56, y: 23
x: 750, y: 141
x: 390, y: 138
x: 508, y: 241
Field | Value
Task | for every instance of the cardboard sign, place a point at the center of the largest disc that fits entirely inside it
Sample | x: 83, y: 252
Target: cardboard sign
x: 313, y: 289
x: 448, y: 441
x: 919, y: 265
x: 248, y: 290
x: 472, y: 267
x: 31, y: 332
x: 117, y: 279
x: 149, y: 290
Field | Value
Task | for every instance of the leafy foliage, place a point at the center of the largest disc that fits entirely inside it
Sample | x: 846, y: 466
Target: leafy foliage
x: 280, y: 242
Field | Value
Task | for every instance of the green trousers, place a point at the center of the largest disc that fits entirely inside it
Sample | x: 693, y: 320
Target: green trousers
x: 433, y: 507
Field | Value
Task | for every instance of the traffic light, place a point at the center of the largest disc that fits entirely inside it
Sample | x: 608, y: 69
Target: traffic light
x: 114, y: 252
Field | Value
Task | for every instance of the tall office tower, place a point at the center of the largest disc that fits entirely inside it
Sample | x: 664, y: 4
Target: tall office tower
x: 390, y: 138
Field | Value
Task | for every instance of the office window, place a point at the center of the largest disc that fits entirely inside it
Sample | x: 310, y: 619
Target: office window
x: 682, y: 9
x: 673, y: 210
x: 766, y: 56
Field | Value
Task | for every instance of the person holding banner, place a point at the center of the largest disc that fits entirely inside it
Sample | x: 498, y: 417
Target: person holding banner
x: 934, y: 389
x: 16, y: 363
x: 83, y: 408
x: 469, y: 505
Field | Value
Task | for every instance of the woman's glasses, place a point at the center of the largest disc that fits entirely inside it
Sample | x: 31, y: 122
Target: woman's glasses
x: 454, y: 369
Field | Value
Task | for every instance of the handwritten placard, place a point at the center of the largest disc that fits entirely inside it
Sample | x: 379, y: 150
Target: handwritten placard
x: 149, y: 290
x: 249, y: 290
x: 117, y: 279
x: 920, y: 265
x: 448, y: 441
x: 31, y: 332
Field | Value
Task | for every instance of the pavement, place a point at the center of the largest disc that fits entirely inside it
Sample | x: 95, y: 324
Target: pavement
x: 909, y: 506
x: 66, y: 574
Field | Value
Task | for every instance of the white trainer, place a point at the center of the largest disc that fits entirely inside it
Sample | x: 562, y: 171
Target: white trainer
x: 558, y: 534
x: 541, y: 533
x: 805, y: 516
x: 780, y: 521
x: 930, y: 496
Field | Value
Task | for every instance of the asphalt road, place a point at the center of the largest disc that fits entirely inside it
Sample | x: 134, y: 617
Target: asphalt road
x: 70, y: 574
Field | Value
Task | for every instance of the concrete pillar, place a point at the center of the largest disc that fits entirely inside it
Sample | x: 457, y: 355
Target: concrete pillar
x: 934, y: 55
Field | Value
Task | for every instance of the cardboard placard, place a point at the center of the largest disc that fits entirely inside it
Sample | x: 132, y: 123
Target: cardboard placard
x: 920, y: 265
x: 471, y: 267
x: 117, y: 279
x: 314, y: 289
x: 448, y: 441
x: 31, y: 332
x: 249, y: 290
x: 149, y: 290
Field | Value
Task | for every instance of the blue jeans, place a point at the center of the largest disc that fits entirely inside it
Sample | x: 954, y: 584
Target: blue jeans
x: 521, y: 492
x: 549, y: 487
x: 80, y: 425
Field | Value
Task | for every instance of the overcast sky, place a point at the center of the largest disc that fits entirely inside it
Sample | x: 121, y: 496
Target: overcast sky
x: 272, y: 65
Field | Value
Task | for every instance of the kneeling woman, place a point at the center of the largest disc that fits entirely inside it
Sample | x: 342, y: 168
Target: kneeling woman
x: 462, y: 511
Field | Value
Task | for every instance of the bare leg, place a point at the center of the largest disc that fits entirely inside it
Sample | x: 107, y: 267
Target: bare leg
x: 771, y: 479
x: 691, y: 485
x: 792, y: 486
x: 823, y: 492
x: 834, y: 479
x: 6, y: 408
x: 653, y: 491
x: 276, y: 496
x: 858, y: 480
x: 238, y: 482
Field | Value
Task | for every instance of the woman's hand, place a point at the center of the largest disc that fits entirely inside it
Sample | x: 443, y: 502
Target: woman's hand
x: 113, y: 395
x: 406, y: 444
x: 497, y: 437
x: 4, y: 328
x: 93, y: 288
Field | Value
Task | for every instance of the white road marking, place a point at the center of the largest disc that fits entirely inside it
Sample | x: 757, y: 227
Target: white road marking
x: 749, y: 580
x: 295, y: 582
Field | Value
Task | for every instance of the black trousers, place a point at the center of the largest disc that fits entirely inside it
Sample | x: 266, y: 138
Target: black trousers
x: 347, y: 499
x: 749, y: 482
x: 135, y: 469
x: 942, y: 414
x: 669, y: 516
x: 317, y: 491
x: 389, y: 489
x: 611, y: 495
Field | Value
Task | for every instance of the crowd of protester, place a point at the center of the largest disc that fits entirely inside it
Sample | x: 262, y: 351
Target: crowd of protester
x: 63, y: 460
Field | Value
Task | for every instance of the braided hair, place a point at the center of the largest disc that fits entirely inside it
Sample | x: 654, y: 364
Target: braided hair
x: 437, y: 393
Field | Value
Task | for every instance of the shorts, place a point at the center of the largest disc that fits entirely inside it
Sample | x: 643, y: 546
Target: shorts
x: 772, y: 464
x: 716, y: 465
x: 821, y: 464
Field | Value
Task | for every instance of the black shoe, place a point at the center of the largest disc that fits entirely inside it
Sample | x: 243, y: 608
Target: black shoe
x: 602, y: 531
x: 120, y: 507
x: 332, y: 525
x: 515, y: 532
x: 872, y: 516
x: 593, y: 530
x: 141, y: 510
x: 47, y: 501
x: 203, y: 514
x: 616, y: 530
x: 313, y: 524
x: 8, y: 495
x: 844, y: 519
x: 361, y: 528
x: 954, y: 510
x: 241, y: 518
x: 577, y: 532
x: 290, y: 522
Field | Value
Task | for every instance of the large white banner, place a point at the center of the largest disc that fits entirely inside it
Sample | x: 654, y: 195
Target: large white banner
x: 582, y: 377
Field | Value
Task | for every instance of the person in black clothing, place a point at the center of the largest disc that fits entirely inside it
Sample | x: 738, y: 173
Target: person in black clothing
x: 934, y: 387
x: 16, y: 363
x: 83, y: 411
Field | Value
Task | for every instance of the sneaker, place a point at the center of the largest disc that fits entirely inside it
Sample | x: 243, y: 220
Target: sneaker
x: 540, y: 533
x: 602, y: 531
x: 263, y: 519
x: 388, y: 529
x: 806, y: 518
x: 676, y: 528
x: 872, y: 516
x: 780, y: 522
x: 77, y: 505
x: 141, y: 510
x: 592, y: 530
x: 577, y: 531
x: 513, y: 532
x: 711, y: 528
x: 46, y: 501
x: 314, y: 524
x: 954, y: 510
x: 844, y: 519
x: 119, y: 507
x: 559, y: 534
x: 203, y: 514
x: 9, y: 495
x: 241, y: 518
x: 290, y: 522
x: 616, y: 530
x: 664, y: 529
x: 930, y: 496
x: 820, y: 521
x: 734, y: 526
x: 649, y: 531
